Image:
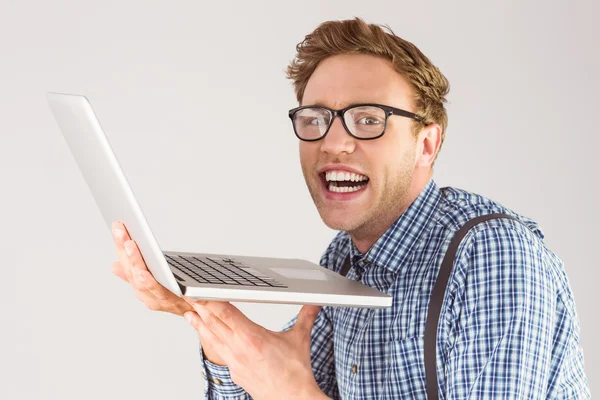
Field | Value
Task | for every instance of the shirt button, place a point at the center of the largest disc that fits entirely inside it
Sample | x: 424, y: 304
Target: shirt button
x: 354, y: 369
x: 217, y: 381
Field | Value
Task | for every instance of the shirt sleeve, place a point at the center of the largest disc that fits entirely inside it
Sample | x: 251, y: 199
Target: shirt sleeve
x: 218, y: 384
x: 508, y: 339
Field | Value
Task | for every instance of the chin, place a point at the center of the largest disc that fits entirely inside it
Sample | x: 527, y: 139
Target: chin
x: 340, y: 222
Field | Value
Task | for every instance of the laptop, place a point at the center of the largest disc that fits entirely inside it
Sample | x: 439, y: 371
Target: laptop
x: 196, y: 275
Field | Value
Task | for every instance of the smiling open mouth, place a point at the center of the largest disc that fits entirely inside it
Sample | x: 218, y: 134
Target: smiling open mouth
x: 344, y: 182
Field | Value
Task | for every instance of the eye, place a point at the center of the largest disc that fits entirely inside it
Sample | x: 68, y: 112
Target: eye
x: 369, y: 121
x: 318, y: 121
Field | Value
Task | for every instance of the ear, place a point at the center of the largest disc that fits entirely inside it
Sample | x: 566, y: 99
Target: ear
x: 429, y: 141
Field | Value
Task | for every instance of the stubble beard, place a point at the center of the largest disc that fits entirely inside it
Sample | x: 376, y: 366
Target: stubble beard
x: 375, y: 216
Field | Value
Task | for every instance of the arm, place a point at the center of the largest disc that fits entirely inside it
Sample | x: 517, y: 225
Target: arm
x: 321, y: 355
x: 504, y: 317
x: 220, y: 386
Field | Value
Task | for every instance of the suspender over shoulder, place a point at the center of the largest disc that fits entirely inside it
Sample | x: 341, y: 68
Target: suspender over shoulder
x: 436, y: 300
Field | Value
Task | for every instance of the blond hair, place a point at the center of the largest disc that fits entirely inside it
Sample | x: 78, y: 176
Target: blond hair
x: 331, y: 38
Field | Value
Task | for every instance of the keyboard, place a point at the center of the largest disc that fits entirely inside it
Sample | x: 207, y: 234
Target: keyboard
x: 222, y: 271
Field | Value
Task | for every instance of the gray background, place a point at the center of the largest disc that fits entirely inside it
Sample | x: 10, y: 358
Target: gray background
x: 193, y: 98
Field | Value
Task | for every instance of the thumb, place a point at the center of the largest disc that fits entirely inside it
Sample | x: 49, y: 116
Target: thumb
x: 306, y: 319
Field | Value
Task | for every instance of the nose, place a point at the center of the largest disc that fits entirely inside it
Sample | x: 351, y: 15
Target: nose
x: 337, y: 139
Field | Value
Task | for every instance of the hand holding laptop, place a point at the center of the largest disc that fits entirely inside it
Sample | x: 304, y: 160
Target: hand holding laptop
x: 132, y: 269
x: 267, y: 364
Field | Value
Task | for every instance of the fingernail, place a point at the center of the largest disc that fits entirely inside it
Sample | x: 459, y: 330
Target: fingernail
x: 188, y: 317
x: 118, y: 233
x: 129, y: 247
x: 140, y: 276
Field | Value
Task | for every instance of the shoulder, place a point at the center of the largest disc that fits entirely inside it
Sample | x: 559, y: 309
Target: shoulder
x: 499, y: 250
x: 457, y: 206
x: 521, y: 237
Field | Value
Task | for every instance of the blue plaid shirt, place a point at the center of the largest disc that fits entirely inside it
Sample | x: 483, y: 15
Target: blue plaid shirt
x: 508, y: 326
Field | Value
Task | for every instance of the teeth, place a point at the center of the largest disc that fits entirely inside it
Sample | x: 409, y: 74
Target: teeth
x: 344, y: 176
x: 344, y: 189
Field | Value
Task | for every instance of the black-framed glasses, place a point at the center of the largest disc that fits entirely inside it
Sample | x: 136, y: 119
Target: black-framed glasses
x: 361, y: 121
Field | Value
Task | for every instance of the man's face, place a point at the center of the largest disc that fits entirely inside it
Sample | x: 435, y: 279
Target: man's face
x: 388, y: 162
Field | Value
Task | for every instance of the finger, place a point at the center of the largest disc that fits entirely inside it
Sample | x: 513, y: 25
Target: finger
x: 126, y: 264
x: 149, y: 284
x: 208, y: 338
x: 136, y: 262
x: 306, y: 319
x: 214, y: 323
x: 191, y: 301
x: 159, y: 299
x: 149, y: 301
x: 206, y: 334
x: 120, y: 236
x: 140, y: 276
x: 231, y: 316
x: 117, y: 269
x: 135, y: 256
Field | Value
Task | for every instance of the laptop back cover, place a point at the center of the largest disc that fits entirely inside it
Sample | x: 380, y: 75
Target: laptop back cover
x: 111, y: 191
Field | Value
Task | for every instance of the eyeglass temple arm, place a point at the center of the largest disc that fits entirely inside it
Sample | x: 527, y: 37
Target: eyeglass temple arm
x: 397, y: 111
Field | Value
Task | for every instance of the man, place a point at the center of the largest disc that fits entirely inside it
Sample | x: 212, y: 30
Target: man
x: 371, y: 124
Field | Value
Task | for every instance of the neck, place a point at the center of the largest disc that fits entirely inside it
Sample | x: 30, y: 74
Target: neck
x: 364, y: 237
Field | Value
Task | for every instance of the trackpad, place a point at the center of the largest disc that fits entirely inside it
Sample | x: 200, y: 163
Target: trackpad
x: 308, y: 274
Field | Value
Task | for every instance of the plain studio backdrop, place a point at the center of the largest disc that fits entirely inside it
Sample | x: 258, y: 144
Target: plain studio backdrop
x: 193, y: 98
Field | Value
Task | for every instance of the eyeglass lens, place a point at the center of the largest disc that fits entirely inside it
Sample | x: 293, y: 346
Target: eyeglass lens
x: 364, y: 122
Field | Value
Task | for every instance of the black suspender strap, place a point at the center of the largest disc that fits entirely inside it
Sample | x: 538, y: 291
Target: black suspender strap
x: 345, y: 267
x: 435, y: 303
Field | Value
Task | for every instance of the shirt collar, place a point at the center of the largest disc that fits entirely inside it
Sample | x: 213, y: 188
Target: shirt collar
x: 392, y: 249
